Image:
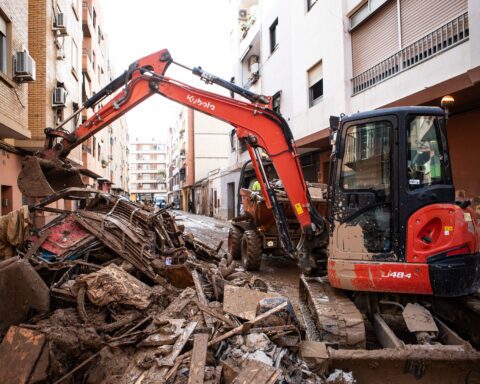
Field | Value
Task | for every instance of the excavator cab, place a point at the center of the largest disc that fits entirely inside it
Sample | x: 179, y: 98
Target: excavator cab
x: 394, y: 222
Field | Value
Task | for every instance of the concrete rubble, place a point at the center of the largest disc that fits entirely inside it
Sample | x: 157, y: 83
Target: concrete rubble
x: 115, y: 292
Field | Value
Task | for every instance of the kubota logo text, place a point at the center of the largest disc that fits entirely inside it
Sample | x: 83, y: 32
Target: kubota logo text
x: 197, y: 101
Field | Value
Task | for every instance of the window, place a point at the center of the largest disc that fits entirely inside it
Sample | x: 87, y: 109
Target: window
x: 273, y: 36
x: 3, y: 45
x: 310, y: 4
x: 364, y: 11
x: 365, y: 181
x: 427, y: 163
x: 94, y: 18
x: 233, y: 135
x: 366, y: 160
x: 315, y: 84
x: 74, y: 57
x: 276, y: 100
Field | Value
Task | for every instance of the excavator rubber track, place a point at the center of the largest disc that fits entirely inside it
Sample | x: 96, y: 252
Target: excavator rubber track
x: 341, y: 332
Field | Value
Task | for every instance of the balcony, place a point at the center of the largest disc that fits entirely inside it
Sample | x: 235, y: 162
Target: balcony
x: 87, y: 20
x: 87, y: 66
x: 91, y: 166
x: 447, y: 36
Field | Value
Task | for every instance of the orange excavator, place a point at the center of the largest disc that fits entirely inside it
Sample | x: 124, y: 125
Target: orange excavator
x: 396, y: 236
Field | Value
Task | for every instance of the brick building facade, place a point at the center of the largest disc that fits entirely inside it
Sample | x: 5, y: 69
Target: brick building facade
x: 66, y: 43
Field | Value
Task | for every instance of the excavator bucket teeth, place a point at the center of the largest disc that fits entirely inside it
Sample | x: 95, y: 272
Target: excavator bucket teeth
x: 40, y: 177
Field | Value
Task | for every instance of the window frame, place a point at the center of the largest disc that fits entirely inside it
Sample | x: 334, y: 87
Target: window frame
x: 445, y: 164
x: 310, y: 4
x: 8, y: 46
x: 343, y: 151
x: 367, y: 5
x: 277, y: 97
x: 75, y: 58
x: 314, y: 101
x: 273, y: 36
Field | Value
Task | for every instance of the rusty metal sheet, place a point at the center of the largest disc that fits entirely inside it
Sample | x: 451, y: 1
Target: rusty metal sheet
x: 242, y: 302
x: 419, y: 319
x: 64, y: 237
x: 20, y: 350
x: 199, y: 355
x: 178, y: 275
x: 22, y: 291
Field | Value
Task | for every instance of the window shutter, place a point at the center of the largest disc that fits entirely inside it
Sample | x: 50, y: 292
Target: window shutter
x: 422, y: 17
x: 375, y: 39
x: 3, y: 26
x: 315, y: 73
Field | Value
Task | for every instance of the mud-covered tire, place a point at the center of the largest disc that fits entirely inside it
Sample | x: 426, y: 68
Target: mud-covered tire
x: 235, y: 242
x: 251, y: 250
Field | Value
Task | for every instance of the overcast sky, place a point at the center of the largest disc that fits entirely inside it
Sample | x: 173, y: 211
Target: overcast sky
x: 196, y: 32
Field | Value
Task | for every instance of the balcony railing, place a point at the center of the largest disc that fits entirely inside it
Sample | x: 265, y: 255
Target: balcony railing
x: 445, y: 37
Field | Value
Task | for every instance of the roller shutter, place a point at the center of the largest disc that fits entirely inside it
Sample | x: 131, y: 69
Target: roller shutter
x: 375, y: 39
x: 419, y: 18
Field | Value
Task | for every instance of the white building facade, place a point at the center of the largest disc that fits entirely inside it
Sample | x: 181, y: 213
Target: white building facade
x: 147, y: 169
x: 321, y: 58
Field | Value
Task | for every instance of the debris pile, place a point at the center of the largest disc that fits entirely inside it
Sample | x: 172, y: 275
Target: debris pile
x: 114, y: 292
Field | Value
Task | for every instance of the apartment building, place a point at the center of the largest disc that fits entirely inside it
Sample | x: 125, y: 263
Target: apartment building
x: 322, y: 58
x: 147, y: 169
x: 45, y: 76
x: 198, y: 148
x: 55, y: 42
x: 13, y: 99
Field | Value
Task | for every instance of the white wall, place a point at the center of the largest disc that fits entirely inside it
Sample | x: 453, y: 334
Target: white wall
x: 212, y: 144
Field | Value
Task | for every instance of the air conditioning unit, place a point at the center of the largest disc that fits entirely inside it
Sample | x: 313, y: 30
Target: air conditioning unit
x: 59, y: 23
x: 59, y: 98
x: 23, y: 67
x: 243, y: 14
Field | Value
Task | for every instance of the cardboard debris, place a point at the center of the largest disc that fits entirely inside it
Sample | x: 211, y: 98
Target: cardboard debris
x: 243, y: 302
x: 112, y: 284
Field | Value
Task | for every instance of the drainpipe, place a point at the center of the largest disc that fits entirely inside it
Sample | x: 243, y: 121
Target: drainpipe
x: 399, y: 26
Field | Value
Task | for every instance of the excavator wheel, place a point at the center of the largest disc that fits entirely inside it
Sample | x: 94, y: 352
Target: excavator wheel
x: 251, y: 250
x: 235, y: 242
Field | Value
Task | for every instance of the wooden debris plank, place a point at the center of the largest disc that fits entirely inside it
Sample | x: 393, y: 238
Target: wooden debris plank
x: 201, y: 297
x: 199, y: 355
x: 169, y: 360
x: 215, y: 314
x: 258, y: 373
x: 241, y: 328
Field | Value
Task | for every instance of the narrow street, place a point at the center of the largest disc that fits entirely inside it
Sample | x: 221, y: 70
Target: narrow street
x: 280, y: 273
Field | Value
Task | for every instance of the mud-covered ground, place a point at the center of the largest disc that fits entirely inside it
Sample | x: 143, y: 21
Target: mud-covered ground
x: 281, y: 273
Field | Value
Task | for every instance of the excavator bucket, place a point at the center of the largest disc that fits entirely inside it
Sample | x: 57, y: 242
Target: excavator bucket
x: 41, y: 177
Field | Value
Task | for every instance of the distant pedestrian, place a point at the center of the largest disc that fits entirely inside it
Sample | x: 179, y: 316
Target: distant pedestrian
x: 190, y: 206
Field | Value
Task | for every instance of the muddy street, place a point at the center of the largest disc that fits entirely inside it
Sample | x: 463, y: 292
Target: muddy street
x: 280, y: 273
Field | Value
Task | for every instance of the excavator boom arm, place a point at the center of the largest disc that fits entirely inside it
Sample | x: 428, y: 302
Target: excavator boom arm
x: 253, y: 121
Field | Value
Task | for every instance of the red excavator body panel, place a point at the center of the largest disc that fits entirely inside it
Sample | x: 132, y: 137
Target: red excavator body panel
x: 442, y: 257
